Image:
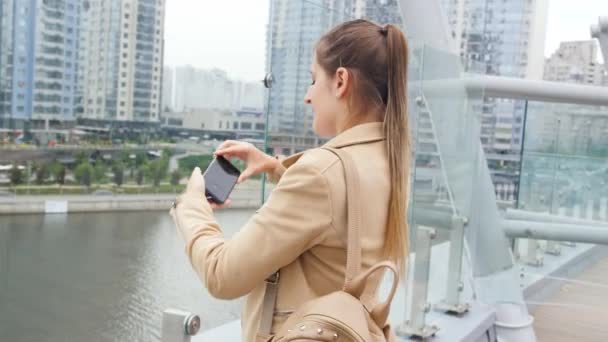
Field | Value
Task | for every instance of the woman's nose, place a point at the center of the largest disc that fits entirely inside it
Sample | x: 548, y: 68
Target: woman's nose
x: 307, y: 99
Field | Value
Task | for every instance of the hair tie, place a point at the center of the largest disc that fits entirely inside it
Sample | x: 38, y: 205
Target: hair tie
x: 384, y: 30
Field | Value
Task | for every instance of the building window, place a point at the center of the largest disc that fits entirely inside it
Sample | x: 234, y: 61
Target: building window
x: 246, y: 125
x: 220, y: 124
x: 125, y: 45
x: 127, y: 16
x: 122, y: 103
x: 123, y: 84
x: 235, y: 125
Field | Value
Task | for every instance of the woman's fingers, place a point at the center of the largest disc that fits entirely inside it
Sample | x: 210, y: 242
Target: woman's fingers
x: 237, y: 151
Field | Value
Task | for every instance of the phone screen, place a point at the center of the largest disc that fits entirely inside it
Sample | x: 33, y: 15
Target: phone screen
x: 220, y: 178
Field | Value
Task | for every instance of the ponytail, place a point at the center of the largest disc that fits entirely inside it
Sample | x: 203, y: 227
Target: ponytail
x: 398, y: 147
x: 377, y: 57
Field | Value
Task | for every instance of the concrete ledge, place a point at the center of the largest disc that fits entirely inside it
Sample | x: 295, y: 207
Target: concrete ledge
x: 91, y: 203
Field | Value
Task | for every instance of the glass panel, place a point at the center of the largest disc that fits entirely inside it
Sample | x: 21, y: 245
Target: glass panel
x: 564, y: 174
x: 446, y: 153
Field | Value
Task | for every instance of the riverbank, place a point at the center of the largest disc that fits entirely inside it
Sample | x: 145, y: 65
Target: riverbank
x: 41, y: 204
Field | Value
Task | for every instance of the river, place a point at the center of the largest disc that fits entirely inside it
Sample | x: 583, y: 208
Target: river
x: 100, y: 277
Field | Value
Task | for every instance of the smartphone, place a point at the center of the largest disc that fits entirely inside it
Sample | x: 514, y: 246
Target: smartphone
x: 220, y: 178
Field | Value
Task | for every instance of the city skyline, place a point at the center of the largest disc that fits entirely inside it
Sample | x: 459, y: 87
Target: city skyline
x: 225, y: 48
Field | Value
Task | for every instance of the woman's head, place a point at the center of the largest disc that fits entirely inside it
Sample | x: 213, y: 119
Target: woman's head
x: 360, y: 75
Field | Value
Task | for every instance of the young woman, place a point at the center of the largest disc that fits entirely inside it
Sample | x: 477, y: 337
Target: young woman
x: 358, y: 95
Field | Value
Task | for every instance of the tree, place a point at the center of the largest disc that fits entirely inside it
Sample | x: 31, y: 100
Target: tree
x: 42, y: 173
x: 141, y: 159
x: 84, y: 173
x: 60, y: 175
x: 119, y: 172
x: 16, y: 175
x: 139, y: 176
x: 100, y: 171
x: 175, y: 177
x: 157, y: 171
x: 80, y: 158
x: 57, y: 170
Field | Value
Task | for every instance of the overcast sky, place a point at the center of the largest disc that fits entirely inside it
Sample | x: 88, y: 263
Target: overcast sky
x: 231, y: 34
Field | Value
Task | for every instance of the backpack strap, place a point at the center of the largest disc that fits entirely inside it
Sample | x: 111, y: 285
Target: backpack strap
x: 353, y: 248
x: 354, y: 219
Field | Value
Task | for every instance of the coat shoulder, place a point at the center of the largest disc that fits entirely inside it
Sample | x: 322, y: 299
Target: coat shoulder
x: 319, y: 159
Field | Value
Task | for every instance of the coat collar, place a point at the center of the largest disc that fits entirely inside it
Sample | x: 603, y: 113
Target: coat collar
x: 360, y: 134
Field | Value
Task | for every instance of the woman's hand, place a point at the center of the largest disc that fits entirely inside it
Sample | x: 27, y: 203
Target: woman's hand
x: 196, y: 185
x: 256, y: 161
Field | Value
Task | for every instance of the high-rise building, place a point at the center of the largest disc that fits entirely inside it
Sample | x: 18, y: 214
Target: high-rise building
x: 294, y: 28
x: 576, y: 62
x: 38, y: 60
x: 503, y: 38
x: 122, y: 44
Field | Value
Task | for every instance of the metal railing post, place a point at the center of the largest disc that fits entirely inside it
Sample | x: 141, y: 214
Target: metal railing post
x: 415, y: 324
x: 179, y: 326
x: 452, y: 302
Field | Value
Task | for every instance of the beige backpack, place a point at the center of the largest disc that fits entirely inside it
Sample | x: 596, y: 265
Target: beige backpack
x: 339, y: 316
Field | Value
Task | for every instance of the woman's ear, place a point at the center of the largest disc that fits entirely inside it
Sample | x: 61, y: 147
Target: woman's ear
x: 342, y: 82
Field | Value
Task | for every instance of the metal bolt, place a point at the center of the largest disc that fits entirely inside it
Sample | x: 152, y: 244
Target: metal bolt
x: 335, y: 336
x: 427, y: 307
x: 419, y: 101
x: 432, y: 234
x: 302, y: 328
x: 460, y: 286
x: 320, y: 331
x: 193, y: 325
x: 268, y: 80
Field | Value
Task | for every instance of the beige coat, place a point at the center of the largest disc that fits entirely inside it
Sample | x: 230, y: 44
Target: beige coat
x: 300, y: 230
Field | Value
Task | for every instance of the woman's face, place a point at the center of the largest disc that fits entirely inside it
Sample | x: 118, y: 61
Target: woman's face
x: 325, y: 104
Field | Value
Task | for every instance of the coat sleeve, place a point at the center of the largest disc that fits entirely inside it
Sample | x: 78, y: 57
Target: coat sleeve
x: 296, y: 217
